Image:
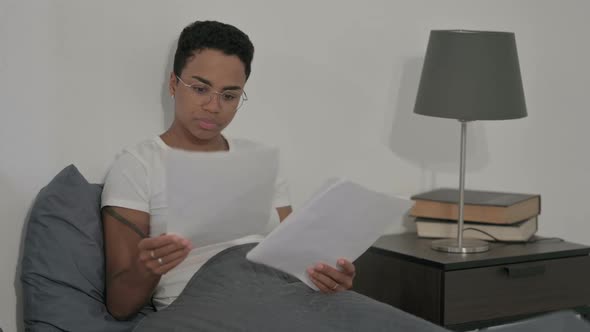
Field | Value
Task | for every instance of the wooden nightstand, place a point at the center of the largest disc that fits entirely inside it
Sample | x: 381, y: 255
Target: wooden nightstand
x: 461, y: 292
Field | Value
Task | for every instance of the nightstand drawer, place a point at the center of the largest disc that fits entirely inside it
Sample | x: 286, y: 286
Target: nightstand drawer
x: 515, y: 289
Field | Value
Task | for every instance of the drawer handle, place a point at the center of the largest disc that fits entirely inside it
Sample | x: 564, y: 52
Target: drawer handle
x: 523, y: 272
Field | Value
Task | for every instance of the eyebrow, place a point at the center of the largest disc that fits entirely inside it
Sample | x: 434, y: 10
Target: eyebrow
x: 206, y: 81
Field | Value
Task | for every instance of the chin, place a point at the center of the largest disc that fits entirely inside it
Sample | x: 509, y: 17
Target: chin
x: 204, y: 135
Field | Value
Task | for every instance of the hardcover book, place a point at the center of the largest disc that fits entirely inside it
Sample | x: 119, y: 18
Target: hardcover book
x: 438, y: 228
x: 480, y: 206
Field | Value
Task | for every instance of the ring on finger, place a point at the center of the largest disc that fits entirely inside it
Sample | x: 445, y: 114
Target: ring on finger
x: 160, y: 261
x: 153, y: 254
x: 335, y: 286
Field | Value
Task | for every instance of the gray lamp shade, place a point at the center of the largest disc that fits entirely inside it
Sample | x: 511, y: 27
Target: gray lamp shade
x: 471, y: 75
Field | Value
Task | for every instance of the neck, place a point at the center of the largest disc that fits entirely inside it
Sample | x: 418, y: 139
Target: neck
x: 179, y: 138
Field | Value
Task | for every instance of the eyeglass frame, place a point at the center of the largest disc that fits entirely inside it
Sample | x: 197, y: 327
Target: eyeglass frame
x: 243, y: 95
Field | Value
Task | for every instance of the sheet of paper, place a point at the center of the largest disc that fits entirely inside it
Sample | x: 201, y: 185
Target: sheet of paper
x: 216, y: 197
x: 343, y: 219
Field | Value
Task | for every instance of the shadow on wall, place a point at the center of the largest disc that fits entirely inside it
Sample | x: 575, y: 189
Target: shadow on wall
x: 431, y: 144
x: 168, y: 115
x: 5, y: 183
x: 17, y: 283
x: 167, y: 100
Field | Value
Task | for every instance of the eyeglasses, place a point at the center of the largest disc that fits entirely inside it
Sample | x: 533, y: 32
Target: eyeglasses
x: 229, y: 101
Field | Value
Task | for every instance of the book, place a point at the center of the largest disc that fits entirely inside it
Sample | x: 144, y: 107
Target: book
x: 517, y: 232
x: 480, y: 206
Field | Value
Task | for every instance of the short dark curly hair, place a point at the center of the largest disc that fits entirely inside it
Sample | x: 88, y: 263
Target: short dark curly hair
x: 202, y: 35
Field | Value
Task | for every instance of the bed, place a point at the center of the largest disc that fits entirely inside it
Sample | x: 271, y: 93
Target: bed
x: 63, y: 284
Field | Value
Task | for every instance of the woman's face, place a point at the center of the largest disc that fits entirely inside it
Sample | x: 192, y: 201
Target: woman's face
x: 208, y: 71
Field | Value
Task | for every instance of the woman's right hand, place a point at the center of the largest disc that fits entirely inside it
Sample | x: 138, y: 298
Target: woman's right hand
x: 161, y: 254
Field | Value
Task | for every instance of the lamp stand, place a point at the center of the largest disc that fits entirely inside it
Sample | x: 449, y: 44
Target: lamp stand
x: 460, y: 245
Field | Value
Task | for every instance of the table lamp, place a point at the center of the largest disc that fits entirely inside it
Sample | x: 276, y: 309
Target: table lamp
x: 469, y: 76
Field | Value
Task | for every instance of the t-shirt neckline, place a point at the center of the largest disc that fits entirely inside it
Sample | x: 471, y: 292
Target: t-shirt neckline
x: 165, y: 146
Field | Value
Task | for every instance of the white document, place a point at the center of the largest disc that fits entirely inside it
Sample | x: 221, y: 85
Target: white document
x: 216, y: 197
x: 342, y: 220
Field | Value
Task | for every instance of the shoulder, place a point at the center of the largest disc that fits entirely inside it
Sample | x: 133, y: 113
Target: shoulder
x: 131, y: 178
x: 144, y: 153
x: 146, y: 149
x: 137, y: 161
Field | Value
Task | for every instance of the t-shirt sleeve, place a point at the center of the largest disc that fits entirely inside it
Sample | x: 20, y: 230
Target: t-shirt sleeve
x: 126, y: 184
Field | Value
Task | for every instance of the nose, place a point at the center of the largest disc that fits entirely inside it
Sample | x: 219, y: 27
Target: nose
x: 213, y: 104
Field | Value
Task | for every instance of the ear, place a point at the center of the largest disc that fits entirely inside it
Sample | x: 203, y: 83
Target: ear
x: 172, y: 84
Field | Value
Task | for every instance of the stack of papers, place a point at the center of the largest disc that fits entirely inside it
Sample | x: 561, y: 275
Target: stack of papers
x: 215, y: 197
x: 342, y: 220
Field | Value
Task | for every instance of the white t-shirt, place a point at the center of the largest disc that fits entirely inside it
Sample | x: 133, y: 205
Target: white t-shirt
x: 137, y: 181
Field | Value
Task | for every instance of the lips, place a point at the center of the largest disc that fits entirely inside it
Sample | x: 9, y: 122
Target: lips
x: 206, y: 124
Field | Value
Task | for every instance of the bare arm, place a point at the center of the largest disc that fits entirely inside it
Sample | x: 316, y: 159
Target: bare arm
x: 131, y: 272
x: 132, y: 266
x: 128, y: 285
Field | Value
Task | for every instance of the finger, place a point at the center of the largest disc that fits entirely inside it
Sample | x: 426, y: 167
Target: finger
x: 174, y: 256
x: 323, y: 288
x: 158, y: 269
x: 151, y: 243
x: 325, y: 269
x: 158, y: 241
x: 177, y: 245
x: 347, y: 266
x: 155, y: 267
x: 324, y: 279
x: 172, y: 248
x: 341, y: 278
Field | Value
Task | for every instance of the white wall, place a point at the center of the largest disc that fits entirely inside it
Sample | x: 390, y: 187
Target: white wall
x: 333, y: 84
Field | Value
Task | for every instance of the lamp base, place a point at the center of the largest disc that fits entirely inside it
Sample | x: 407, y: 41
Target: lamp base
x: 470, y: 246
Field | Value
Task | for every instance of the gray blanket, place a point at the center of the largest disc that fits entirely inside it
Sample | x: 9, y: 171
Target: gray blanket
x: 230, y: 293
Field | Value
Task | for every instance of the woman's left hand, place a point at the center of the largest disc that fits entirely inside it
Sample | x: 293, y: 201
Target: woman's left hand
x: 329, y: 279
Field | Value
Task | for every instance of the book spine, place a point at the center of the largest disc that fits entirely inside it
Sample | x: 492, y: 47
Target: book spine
x: 447, y: 229
x: 477, y: 213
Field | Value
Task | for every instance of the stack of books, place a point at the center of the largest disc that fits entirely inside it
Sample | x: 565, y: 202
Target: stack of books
x: 488, y: 215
